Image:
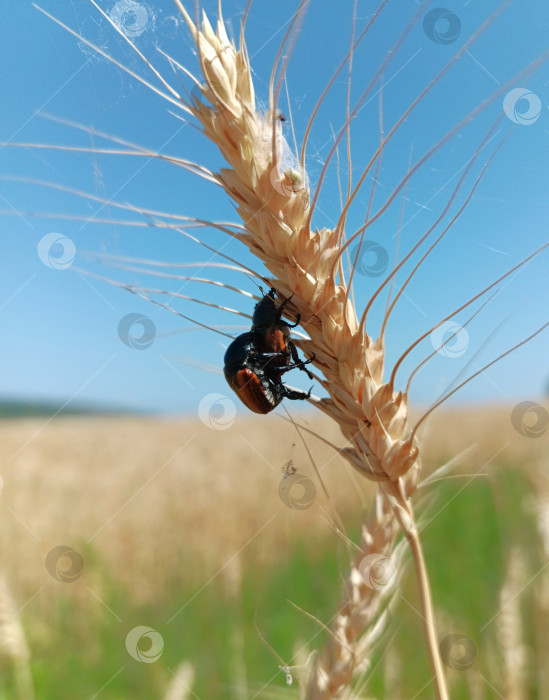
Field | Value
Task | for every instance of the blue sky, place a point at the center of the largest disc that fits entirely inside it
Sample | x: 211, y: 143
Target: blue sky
x: 61, y: 340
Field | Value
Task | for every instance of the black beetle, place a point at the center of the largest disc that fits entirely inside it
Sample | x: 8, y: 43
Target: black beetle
x: 255, y: 361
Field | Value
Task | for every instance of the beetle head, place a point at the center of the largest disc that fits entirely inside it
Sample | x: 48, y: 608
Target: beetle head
x: 266, y: 312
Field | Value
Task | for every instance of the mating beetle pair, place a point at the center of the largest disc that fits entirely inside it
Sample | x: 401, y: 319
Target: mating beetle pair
x: 256, y: 361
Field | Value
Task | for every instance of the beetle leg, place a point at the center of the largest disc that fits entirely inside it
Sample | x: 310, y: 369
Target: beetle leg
x: 296, y: 395
x: 300, y: 363
x: 273, y: 361
x: 270, y: 355
x: 281, y: 309
x: 297, y: 320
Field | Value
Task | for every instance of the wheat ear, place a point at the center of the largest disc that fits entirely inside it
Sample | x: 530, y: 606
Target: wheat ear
x: 14, y: 644
x: 180, y: 687
x: 272, y: 197
x: 510, y: 629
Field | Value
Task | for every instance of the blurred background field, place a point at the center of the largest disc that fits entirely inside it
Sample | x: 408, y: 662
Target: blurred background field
x: 181, y: 528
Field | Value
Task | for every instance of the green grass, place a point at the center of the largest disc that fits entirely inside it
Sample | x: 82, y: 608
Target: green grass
x: 78, y: 646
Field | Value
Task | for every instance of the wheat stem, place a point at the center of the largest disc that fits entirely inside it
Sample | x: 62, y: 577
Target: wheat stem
x: 424, y: 588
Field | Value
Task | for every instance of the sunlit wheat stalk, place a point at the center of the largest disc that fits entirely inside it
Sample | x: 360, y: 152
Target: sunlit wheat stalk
x: 273, y: 200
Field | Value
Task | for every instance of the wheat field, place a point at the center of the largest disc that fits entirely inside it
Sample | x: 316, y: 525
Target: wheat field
x: 168, y: 514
